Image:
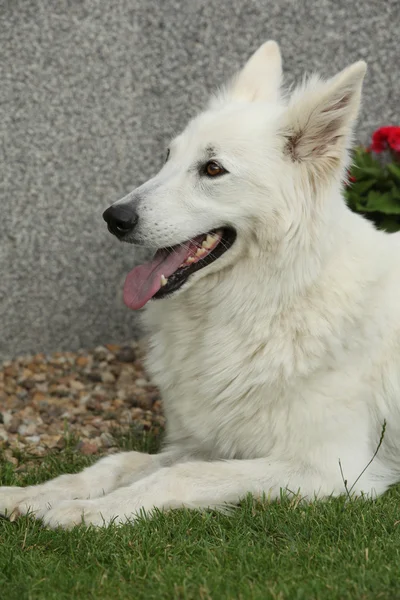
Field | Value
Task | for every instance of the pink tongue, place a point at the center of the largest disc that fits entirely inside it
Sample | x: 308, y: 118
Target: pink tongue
x: 145, y: 280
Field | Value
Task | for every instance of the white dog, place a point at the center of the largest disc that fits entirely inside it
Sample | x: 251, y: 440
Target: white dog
x: 275, y: 313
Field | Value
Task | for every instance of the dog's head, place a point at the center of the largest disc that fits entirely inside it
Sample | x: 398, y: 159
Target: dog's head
x: 240, y: 178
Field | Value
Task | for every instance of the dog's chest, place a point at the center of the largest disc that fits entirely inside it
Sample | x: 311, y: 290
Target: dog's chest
x: 239, y: 388
x: 226, y: 394
x: 210, y: 399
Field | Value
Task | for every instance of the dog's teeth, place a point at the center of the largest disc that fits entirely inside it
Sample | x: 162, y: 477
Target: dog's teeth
x: 201, y: 252
x: 190, y: 260
x: 209, y: 241
x: 164, y: 281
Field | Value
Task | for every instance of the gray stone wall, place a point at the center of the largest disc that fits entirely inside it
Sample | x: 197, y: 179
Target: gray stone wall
x: 91, y: 91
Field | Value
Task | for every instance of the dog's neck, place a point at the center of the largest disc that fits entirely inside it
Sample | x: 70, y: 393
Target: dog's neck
x: 307, y: 264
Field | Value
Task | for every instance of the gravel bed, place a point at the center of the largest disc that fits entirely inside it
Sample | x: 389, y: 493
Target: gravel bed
x: 87, y: 395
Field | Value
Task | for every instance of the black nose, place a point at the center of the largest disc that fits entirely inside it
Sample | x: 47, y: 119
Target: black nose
x: 120, y: 219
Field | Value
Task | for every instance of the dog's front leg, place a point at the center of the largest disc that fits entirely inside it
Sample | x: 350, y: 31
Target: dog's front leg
x: 103, y: 477
x: 194, y: 485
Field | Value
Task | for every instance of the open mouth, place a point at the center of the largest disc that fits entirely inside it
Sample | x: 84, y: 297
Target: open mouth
x: 171, y: 267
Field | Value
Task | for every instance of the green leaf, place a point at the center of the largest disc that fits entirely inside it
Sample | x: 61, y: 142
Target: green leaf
x: 394, y: 170
x: 363, y: 159
x: 395, y: 191
x: 376, y: 172
x: 391, y: 225
x: 361, y: 187
x: 383, y: 203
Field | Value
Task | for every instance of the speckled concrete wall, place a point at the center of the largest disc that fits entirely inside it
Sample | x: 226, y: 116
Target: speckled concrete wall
x: 90, y: 92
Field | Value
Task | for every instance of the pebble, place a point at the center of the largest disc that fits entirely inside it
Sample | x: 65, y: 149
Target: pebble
x: 27, y: 430
x: 14, y: 425
x: 88, y: 394
x: 33, y: 439
x: 3, y: 434
x: 76, y: 385
x: 82, y: 361
x: 107, y: 440
x: 107, y: 377
x: 127, y: 354
x: 88, y: 448
x: 7, y: 418
x: 141, y: 382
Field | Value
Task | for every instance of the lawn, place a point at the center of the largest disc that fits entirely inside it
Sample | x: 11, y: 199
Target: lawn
x: 335, y: 549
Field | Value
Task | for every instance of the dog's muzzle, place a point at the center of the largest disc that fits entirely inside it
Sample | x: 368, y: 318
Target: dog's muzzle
x: 121, y: 220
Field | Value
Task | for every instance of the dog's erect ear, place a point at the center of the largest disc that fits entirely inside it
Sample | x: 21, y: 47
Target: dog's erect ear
x: 260, y: 78
x: 319, y: 118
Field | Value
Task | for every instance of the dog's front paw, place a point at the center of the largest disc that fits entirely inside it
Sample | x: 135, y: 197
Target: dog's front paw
x: 10, y: 497
x: 35, y: 500
x: 70, y: 513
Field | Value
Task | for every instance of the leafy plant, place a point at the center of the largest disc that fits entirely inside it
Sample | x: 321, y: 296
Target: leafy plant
x: 373, y: 187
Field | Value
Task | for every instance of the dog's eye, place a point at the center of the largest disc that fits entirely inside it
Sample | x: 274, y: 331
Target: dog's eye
x: 213, y: 168
x: 168, y: 153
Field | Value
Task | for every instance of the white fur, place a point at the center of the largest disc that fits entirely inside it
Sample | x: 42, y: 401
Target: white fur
x: 280, y: 359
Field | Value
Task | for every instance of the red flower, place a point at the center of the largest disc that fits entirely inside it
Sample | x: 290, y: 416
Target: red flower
x: 394, y: 139
x: 386, y: 137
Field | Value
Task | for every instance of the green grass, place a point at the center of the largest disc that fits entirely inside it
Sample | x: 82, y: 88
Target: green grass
x: 287, y: 550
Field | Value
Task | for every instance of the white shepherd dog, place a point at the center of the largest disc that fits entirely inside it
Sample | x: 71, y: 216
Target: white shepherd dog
x: 275, y: 313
